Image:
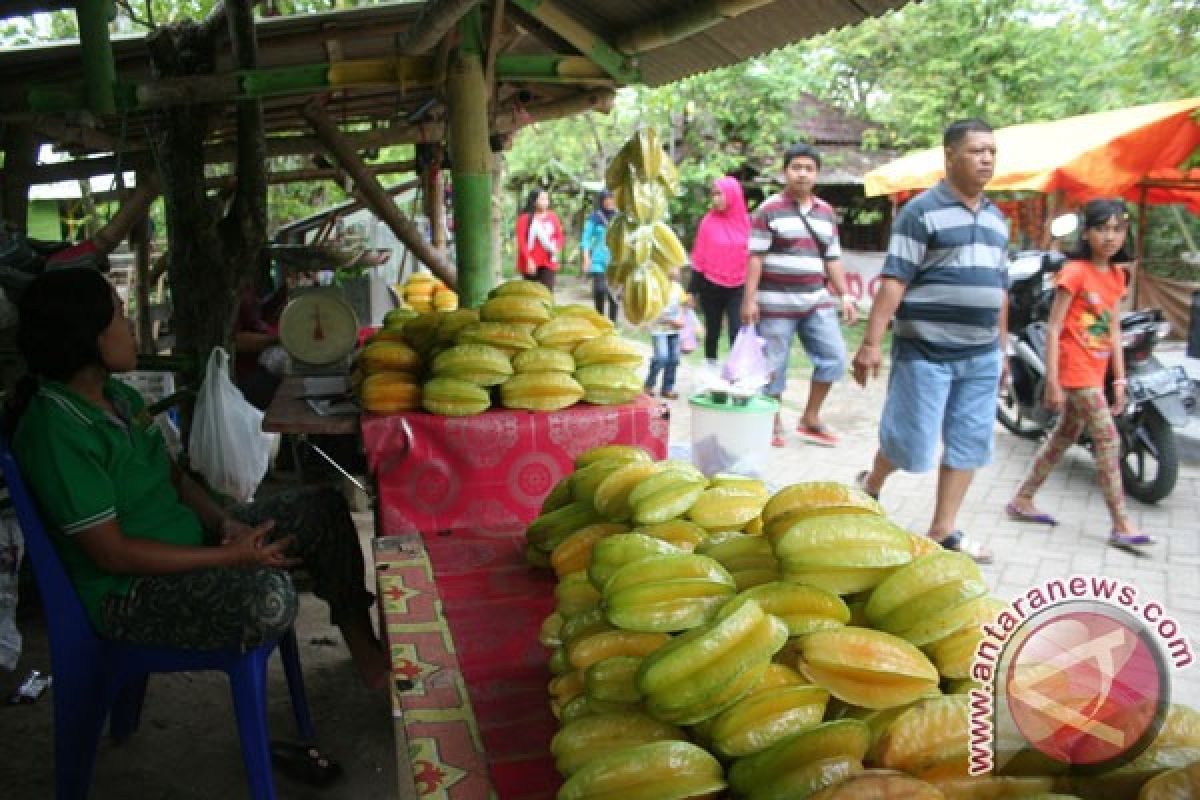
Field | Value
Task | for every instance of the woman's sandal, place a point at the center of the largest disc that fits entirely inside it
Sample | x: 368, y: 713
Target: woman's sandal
x: 777, y: 435
x: 1038, y: 517
x: 1118, y: 539
x: 959, y: 542
x: 305, y: 763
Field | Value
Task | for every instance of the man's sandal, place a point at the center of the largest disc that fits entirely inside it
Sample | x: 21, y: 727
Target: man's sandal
x: 860, y: 482
x: 959, y: 542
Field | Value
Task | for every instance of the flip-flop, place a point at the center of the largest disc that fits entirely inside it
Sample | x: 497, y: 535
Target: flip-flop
x: 819, y: 435
x: 777, y: 440
x: 1117, y: 539
x: 860, y: 481
x: 1036, y: 517
x: 959, y: 542
x: 305, y: 763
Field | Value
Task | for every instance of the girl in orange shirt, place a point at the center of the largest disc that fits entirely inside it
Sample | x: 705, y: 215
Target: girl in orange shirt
x: 1082, y: 341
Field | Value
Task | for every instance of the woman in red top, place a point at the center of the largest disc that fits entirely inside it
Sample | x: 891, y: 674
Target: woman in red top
x: 1082, y: 343
x: 539, y: 239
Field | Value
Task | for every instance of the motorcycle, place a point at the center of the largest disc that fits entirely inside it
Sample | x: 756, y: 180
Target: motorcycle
x: 1157, y: 397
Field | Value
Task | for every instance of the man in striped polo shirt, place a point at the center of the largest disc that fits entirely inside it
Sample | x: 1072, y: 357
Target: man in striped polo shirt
x: 795, y: 259
x: 945, y: 281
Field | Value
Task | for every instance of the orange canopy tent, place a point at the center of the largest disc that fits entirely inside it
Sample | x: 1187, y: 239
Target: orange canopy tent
x: 1104, y: 154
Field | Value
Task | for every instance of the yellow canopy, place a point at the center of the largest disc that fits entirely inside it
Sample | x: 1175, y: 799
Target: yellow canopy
x: 1093, y: 155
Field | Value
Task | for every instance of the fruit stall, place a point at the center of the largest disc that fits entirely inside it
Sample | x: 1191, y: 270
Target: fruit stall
x: 657, y: 633
x: 572, y: 615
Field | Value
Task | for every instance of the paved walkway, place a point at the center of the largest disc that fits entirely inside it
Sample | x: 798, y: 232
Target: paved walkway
x: 1025, y: 554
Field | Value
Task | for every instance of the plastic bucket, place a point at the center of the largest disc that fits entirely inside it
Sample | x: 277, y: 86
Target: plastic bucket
x: 732, y: 434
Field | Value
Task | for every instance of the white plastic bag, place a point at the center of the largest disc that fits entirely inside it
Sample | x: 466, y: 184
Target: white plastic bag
x: 747, y: 366
x: 227, y: 444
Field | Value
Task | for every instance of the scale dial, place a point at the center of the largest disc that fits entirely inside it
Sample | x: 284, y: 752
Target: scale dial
x: 318, y: 327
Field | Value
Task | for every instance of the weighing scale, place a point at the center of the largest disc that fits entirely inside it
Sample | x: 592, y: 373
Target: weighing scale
x: 319, y: 330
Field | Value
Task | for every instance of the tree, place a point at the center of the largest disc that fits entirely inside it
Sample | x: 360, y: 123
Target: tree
x: 214, y: 241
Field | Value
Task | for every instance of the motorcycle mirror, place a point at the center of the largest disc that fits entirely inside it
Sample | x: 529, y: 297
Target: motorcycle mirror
x: 1064, y: 225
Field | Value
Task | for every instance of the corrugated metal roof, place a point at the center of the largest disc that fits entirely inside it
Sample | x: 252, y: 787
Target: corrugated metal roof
x: 728, y: 42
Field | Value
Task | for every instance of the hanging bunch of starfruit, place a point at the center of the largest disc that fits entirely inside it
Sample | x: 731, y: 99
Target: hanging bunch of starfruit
x: 644, y: 248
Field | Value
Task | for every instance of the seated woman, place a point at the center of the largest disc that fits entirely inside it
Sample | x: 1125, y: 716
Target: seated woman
x: 154, y: 559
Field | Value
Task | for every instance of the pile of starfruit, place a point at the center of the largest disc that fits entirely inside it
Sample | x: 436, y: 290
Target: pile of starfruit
x: 713, y: 640
x: 518, y: 350
x: 644, y: 248
x: 423, y: 293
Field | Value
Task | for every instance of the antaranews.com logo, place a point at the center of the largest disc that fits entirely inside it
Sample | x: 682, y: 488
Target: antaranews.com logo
x: 1076, y: 677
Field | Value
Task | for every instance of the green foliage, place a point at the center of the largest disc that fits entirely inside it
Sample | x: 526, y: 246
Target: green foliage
x: 1008, y: 61
x: 911, y: 72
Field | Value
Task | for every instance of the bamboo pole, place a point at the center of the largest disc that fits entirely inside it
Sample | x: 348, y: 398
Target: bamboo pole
x: 374, y: 195
x: 95, y: 51
x: 470, y: 153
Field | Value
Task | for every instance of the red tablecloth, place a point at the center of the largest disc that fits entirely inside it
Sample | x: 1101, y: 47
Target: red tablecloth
x: 491, y: 471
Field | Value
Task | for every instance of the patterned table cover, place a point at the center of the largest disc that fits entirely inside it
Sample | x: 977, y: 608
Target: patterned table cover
x: 491, y: 471
x: 470, y: 705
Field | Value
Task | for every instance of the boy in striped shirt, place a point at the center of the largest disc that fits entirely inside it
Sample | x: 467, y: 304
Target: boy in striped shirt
x: 795, y: 262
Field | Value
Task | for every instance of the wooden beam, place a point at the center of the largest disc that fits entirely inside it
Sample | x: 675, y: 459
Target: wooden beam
x: 133, y: 209
x: 438, y: 17
x: 140, y: 239
x: 374, y: 195
x: 493, y: 47
x: 136, y: 155
x: 60, y: 132
x: 20, y: 154
x: 314, y: 174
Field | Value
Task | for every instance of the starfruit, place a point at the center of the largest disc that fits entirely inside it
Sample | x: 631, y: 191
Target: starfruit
x: 610, y: 350
x: 613, y: 552
x: 802, y: 763
x: 608, y: 385
x: 866, y: 668
x: 804, y: 609
x: 454, y: 398
x: 480, y: 364
x: 543, y: 359
x: 842, y: 553
x: 593, y: 736
x: 540, y: 391
x: 664, y: 770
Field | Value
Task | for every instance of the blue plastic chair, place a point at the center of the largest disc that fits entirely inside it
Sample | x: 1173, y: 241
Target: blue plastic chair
x: 95, y: 678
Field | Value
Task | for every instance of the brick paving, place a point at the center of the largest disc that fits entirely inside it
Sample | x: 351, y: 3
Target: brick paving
x: 1026, y: 554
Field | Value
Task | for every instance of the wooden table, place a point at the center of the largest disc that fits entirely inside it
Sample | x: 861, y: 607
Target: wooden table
x: 290, y: 413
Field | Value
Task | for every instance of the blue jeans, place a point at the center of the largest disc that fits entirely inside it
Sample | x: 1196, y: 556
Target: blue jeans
x: 822, y: 339
x: 954, y: 401
x: 666, y: 360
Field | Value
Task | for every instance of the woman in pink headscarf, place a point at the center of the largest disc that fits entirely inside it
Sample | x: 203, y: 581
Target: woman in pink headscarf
x: 719, y: 257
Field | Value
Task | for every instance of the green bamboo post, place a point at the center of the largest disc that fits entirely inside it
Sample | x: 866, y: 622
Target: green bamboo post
x: 95, y: 50
x: 470, y: 154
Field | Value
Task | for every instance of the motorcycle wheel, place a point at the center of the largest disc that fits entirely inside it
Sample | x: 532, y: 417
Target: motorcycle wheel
x: 1149, y: 459
x: 1008, y: 412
